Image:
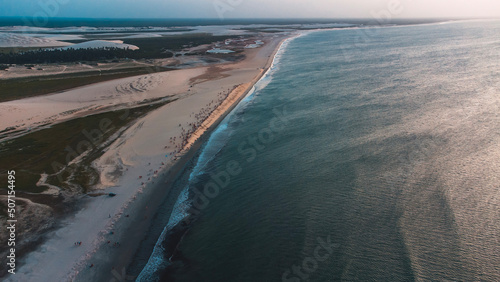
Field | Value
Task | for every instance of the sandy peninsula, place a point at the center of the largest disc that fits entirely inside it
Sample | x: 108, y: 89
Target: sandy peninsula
x: 137, y: 164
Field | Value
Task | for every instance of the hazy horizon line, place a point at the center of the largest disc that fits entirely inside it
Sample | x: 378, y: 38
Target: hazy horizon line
x: 257, y: 18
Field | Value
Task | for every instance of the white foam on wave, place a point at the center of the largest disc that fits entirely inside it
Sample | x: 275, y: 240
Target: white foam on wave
x: 157, y: 260
x: 268, y: 76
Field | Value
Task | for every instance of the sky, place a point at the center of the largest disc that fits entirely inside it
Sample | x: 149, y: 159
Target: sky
x: 251, y: 8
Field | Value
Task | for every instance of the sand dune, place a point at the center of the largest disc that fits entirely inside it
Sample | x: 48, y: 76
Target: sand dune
x: 31, y: 113
x: 20, y: 40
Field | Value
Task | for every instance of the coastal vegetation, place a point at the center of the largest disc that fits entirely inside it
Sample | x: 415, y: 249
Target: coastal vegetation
x: 47, y: 151
x: 149, y: 48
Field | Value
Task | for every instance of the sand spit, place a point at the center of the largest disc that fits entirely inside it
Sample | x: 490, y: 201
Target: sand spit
x: 131, y: 165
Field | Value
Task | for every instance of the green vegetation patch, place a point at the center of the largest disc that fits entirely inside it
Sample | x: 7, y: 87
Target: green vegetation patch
x: 149, y: 48
x: 155, y: 47
x: 9, y: 50
x: 50, y: 150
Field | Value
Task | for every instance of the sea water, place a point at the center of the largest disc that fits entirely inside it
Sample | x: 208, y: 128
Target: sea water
x: 368, y: 155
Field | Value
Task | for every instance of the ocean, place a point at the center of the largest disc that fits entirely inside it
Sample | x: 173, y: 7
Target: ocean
x: 363, y: 155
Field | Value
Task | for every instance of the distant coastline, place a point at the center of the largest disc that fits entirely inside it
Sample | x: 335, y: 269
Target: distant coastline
x: 185, y: 22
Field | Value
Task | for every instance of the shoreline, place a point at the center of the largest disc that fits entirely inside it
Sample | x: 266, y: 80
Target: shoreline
x: 174, y: 235
x: 187, y: 160
x: 170, y: 177
x: 132, y: 208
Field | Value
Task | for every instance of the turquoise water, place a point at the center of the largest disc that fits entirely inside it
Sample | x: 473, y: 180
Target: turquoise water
x: 371, y: 155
